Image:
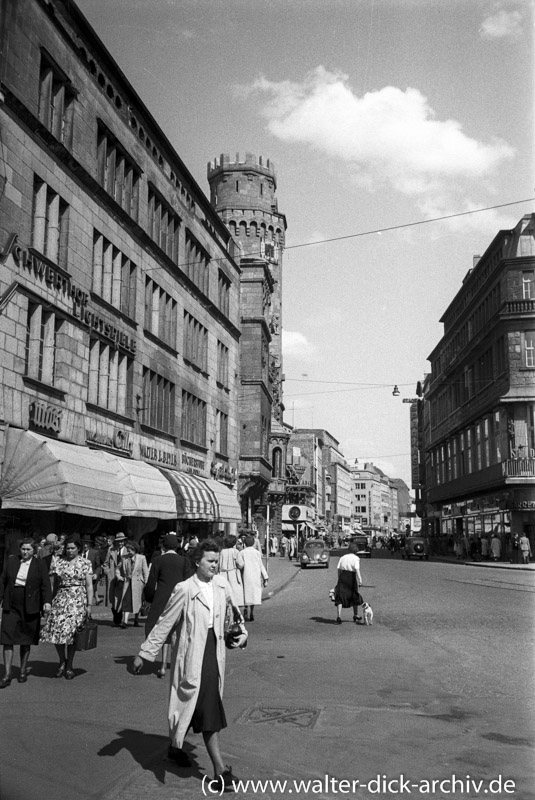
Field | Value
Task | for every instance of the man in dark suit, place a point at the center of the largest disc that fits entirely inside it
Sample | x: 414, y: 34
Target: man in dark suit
x: 166, y: 570
x: 93, y: 555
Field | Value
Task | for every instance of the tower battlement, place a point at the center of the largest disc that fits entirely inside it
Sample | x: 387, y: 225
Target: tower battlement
x: 250, y: 161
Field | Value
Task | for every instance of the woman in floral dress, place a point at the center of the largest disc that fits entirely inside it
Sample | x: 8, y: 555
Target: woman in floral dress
x: 71, y: 605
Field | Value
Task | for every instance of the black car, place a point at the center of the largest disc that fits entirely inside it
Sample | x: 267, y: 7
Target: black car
x: 415, y: 547
x: 364, y: 549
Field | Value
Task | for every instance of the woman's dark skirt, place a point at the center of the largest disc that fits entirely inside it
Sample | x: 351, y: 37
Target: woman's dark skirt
x: 18, y: 627
x: 346, y: 592
x: 209, y: 714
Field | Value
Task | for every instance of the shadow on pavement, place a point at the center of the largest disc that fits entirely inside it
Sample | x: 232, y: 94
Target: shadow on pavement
x: 150, y: 752
x: 324, y: 620
x: 48, y: 669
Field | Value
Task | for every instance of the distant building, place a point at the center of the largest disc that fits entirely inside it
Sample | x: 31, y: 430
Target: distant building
x: 374, y: 502
x: 329, y: 489
x: 479, y: 402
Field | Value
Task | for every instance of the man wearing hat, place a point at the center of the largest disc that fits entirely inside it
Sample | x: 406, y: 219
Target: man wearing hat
x: 49, y: 549
x: 93, y: 555
x: 166, y: 570
x: 115, y: 555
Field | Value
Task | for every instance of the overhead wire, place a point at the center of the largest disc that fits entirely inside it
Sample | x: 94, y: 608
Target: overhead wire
x: 377, y: 230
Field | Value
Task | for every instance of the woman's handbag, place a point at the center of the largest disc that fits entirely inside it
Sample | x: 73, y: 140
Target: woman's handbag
x: 236, y: 634
x: 86, y: 638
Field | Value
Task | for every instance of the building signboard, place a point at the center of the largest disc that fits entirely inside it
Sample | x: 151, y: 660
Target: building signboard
x: 56, y: 279
x: 45, y: 416
x: 119, y: 439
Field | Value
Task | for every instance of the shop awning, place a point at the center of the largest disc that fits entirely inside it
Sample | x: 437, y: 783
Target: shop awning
x: 145, y: 491
x: 288, y: 526
x: 46, y: 474
x: 194, y: 499
x: 228, y: 508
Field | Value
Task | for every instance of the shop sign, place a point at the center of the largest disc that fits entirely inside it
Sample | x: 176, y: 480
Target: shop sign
x: 523, y: 505
x: 220, y: 472
x: 46, y: 416
x: 193, y: 465
x: 119, y: 440
x: 164, y: 457
x: 59, y: 281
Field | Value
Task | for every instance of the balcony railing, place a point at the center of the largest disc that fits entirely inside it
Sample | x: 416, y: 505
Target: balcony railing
x: 519, y: 468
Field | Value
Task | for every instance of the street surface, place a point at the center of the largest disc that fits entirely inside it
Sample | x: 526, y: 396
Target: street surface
x: 440, y: 686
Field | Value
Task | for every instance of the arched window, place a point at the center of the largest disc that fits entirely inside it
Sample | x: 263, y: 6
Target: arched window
x: 276, y: 462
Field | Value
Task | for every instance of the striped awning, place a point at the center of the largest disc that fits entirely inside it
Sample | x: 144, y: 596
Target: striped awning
x: 194, y: 499
x: 228, y: 508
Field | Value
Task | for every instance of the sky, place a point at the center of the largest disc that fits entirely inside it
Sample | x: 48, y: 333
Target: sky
x: 377, y: 114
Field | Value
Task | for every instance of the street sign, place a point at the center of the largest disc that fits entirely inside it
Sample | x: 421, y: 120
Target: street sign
x: 410, y: 399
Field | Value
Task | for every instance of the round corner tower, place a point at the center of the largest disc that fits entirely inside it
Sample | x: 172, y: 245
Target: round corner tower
x: 243, y: 193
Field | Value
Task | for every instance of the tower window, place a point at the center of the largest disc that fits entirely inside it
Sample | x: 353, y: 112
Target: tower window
x: 237, y: 186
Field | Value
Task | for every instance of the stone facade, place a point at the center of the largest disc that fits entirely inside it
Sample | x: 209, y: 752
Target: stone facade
x: 243, y: 192
x: 119, y: 290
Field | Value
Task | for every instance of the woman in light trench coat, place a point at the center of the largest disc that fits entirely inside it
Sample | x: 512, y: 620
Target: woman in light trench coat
x: 131, y: 576
x: 197, y: 607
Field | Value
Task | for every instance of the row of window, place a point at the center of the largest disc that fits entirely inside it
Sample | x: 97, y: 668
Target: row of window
x: 486, y: 310
x: 474, y: 449
x: 475, y: 378
x: 114, y: 275
x: 114, y: 280
x: 111, y: 379
x: 120, y: 176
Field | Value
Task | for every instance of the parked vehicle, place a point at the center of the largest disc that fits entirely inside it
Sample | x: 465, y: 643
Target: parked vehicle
x: 416, y: 547
x: 363, y: 544
x: 315, y: 553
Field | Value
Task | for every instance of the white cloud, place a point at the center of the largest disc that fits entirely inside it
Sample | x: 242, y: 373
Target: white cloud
x: 388, y: 137
x: 296, y: 345
x: 503, y: 24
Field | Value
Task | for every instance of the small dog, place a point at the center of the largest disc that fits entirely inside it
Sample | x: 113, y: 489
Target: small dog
x: 368, y: 613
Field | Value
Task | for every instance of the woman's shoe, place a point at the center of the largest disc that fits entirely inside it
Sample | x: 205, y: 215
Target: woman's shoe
x: 227, y: 780
x: 23, y: 676
x: 338, y: 620
x: 61, y: 671
x: 161, y: 673
x: 5, y: 681
x: 123, y: 625
x: 69, y: 674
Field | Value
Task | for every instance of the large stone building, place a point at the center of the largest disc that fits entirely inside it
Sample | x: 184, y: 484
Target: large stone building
x: 479, y: 401
x: 375, y: 502
x: 119, y: 299
x: 243, y: 192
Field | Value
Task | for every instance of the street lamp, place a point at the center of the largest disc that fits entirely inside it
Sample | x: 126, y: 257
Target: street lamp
x: 395, y: 391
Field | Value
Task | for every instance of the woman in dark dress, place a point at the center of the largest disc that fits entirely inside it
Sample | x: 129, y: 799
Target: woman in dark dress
x: 346, y: 592
x: 25, y: 592
x: 197, y: 606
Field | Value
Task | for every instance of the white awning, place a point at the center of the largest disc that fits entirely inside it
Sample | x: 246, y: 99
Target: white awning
x: 145, y: 491
x: 50, y: 475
